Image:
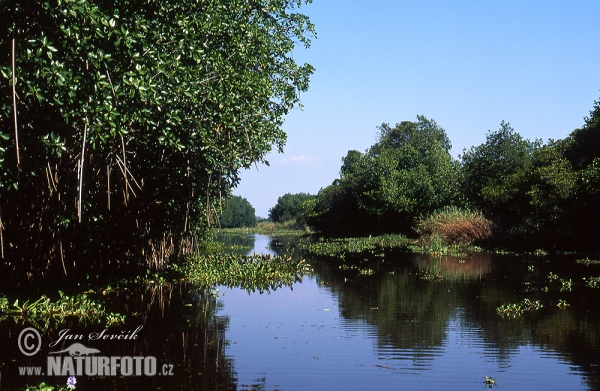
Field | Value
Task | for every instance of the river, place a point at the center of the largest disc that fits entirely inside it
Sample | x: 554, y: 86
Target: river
x: 412, y: 322
x: 396, y: 330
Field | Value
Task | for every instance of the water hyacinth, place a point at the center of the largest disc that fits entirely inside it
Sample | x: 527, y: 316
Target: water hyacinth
x: 87, y: 308
x: 347, y: 247
x: 71, y: 382
x: 515, y: 310
x: 250, y: 272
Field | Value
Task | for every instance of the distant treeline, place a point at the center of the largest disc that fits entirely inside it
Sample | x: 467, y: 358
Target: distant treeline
x: 536, y: 194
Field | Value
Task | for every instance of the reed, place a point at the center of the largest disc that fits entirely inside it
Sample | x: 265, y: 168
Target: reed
x: 453, y: 225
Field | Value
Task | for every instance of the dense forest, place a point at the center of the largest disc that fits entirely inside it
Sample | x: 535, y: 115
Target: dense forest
x: 534, y: 194
x: 238, y: 213
x: 124, y: 125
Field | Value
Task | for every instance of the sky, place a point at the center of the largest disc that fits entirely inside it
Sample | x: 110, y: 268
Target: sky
x: 466, y: 64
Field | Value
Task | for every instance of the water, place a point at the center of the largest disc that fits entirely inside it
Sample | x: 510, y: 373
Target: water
x: 340, y: 330
x: 394, y: 330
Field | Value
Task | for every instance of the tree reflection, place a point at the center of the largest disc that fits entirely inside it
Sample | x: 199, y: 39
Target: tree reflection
x: 414, y: 316
x: 180, y: 328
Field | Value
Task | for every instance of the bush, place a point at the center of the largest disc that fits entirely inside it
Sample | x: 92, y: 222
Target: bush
x: 454, y: 226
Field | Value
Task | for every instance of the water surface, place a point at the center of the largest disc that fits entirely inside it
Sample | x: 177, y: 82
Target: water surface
x: 342, y: 328
x: 396, y: 330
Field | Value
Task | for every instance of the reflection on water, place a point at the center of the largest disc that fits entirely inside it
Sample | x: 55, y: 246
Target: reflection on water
x: 180, y: 329
x: 395, y: 330
x: 338, y: 329
x: 469, y: 268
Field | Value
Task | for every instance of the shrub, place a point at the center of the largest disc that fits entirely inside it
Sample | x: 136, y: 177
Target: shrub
x: 454, y: 226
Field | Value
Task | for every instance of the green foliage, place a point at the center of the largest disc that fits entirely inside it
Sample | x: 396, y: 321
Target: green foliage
x: 238, y: 213
x: 539, y: 196
x: 133, y: 118
x: 592, y: 282
x: 584, y: 144
x: 44, y: 387
x: 44, y: 310
x: 489, y: 381
x: 496, y: 172
x: 408, y: 172
x: 253, y: 272
x: 344, y: 248
x: 552, y: 186
x: 587, y: 261
x: 269, y: 228
x: 290, y: 207
x: 515, y: 310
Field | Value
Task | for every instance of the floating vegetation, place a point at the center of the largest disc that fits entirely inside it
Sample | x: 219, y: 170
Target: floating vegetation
x: 341, y: 248
x: 269, y: 228
x: 566, y: 285
x: 515, y: 310
x: 588, y: 261
x: 437, y: 247
x: 44, y: 310
x: 592, y: 282
x: 212, y: 247
x: 432, y: 276
x: 361, y: 271
x: 251, y: 272
x: 215, y: 247
x: 489, y: 381
x: 71, y: 385
x: 366, y: 272
x: 562, y: 304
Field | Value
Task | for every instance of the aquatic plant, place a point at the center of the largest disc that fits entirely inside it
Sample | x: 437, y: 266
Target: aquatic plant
x: 71, y: 382
x: 566, y: 285
x: 71, y: 385
x: 251, y: 272
x: 592, y: 282
x: 212, y: 246
x: 269, y: 228
x: 515, y: 310
x: 431, y: 276
x: 215, y: 247
x: 44, y: 310
x: 341, y: 248
x: 588, y: 261
x: 489, y: 381
x: 562, y: 303
x: 366, y: 272
x: 552, y: 276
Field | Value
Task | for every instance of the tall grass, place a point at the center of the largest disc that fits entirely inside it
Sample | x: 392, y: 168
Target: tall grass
x: 453, y: 225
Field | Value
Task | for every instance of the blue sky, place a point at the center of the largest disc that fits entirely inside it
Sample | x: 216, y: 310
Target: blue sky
x: 466, y: 64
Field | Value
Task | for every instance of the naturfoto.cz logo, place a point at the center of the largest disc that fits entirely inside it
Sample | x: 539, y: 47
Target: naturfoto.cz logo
x: 79, y: 360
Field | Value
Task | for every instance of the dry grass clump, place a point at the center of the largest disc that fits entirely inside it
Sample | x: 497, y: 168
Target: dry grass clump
x: 454, y: 225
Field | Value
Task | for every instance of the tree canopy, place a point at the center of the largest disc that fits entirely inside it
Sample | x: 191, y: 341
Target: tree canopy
x: 124, y: 122
x: 495, y: 173
x: 289, y: 207
x: 538, y: 195
x: 239, y: 213
x: 408, y: 171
